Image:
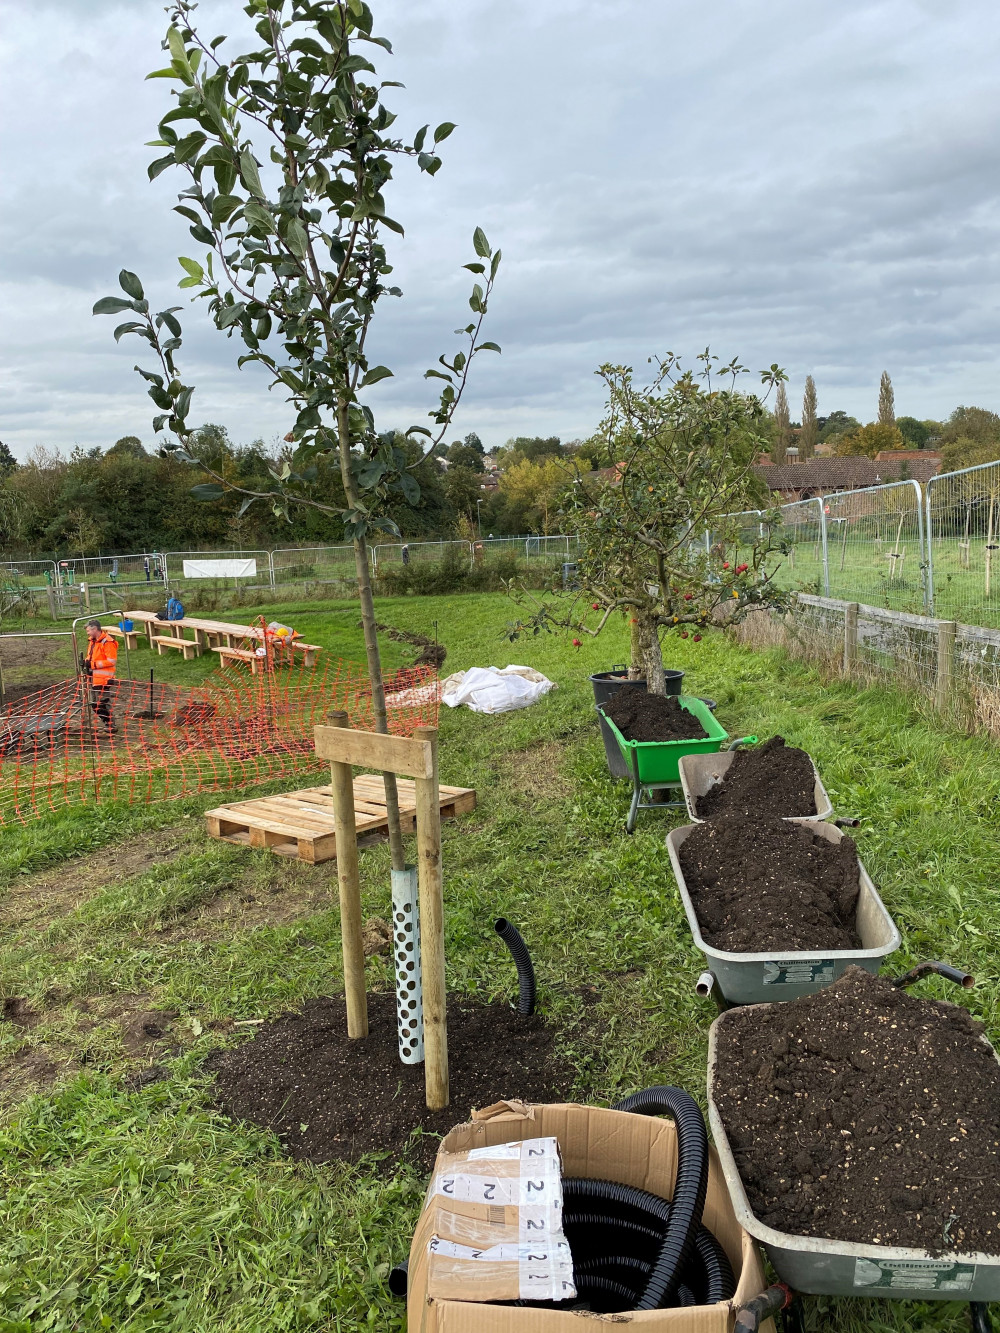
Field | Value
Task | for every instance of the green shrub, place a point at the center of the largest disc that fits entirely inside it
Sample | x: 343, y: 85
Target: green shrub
x: 454, y: 573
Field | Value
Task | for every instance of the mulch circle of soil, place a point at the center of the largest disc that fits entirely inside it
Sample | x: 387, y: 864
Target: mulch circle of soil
x: 641, y: 716
x: 333, y: 1099
x: 770, y: 779
x: 767, y: 884
x: 865, y: 1114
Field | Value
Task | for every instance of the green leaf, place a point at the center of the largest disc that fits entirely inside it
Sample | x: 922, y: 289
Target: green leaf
x: 442, y: 131
x: 246, y: 505
x: 122, y: 329
x: 487, y: 347
x: 437, y: 375
x: 257, y: 215
x: 249, y: 174
x: 296, y: 238
x: 162, y: 74
x: 410, y: 487
x: 161, y: 164
x: 476, y: 299
x: 183, y: 403
x: 207, y: 490
x: 475, y: 268
x: 374, y: 375
x: 176, y: 44
x: 392, y: 225
x: 110, y: 305
x: 223, y: 207
x: 192, y: 267
x: 480, y: 244
x: 419, y: 137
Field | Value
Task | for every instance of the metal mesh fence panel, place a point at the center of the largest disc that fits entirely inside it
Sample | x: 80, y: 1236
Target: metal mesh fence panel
x: 802, y: 531
x: 963, y: 529
x: 306, y: 563
x: 29, y: 573
x: 402, y: 553
x: 875, y: 546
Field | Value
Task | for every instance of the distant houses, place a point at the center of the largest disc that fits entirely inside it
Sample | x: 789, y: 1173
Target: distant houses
x: 827, y: 476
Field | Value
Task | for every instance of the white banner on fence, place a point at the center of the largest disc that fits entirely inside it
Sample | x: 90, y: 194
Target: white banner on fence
x: 220, y: 569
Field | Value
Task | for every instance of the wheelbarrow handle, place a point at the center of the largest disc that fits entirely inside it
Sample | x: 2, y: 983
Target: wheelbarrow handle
x: 743, y: 740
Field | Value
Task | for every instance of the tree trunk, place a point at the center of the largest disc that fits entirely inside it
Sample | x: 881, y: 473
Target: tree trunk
x: 647, y: 654
x: 371, y: 640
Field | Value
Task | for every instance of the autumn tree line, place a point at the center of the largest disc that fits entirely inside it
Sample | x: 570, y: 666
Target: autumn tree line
x: 970, y: 436
x: 131, y: 498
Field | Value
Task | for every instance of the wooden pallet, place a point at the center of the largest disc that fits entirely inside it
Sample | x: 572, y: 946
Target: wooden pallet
x: 300, y: 823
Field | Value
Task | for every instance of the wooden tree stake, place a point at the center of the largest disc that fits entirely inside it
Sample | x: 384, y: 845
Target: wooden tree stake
x: 430, y: 882
x: 349, y: 879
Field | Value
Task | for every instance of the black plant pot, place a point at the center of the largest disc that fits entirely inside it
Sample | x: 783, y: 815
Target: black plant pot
x: 608, y: 683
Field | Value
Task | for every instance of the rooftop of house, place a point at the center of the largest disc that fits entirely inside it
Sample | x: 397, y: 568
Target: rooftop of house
x: 830, y: 474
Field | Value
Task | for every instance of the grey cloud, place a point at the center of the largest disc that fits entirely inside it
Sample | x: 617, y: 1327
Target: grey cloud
x: 807, y: 184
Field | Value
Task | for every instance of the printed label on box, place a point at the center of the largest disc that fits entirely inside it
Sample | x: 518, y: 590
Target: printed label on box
x: 915, y: 1274
x: 796, y: 972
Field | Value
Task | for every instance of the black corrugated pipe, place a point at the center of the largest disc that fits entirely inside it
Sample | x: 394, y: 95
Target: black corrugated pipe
x: 689, y: 1187
x: 398, y: 1278
x: 511, y: 936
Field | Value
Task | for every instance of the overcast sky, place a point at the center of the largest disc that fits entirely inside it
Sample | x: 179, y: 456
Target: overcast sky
x: 812, y: 184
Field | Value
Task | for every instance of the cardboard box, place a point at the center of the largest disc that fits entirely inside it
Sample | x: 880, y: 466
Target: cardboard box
x: 610, y: 1145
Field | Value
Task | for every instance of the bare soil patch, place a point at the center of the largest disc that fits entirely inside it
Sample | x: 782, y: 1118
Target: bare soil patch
x: 770, y: 779
x: 768, y: 884
x: 33, y: 901
x: 329, y: 1098
x: 865, y: 1114
x: 641, y: 716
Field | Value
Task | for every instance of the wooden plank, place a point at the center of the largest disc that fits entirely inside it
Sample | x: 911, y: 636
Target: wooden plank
x: 370, y: 749
x: 432, y: 963
x: 349, y: 881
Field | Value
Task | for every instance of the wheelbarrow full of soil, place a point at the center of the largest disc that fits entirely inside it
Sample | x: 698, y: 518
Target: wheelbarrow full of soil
x: 776, y: 974
x: 785, y: 1164
x: 700, y: 773
x: 653, y: 764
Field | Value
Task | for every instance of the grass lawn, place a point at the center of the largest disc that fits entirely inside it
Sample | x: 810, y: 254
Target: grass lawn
x: 128, y: 1205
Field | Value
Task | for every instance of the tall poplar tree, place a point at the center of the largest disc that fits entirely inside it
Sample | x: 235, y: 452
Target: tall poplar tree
x: 886, y: 401
x: 808, y: 433
x: 779, y: 450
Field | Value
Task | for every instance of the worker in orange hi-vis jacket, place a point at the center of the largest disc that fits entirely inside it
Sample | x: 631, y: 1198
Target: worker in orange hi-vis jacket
x: 100, y: 663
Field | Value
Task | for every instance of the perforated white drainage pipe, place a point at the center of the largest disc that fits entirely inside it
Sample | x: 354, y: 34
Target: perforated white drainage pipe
x: 406, y: 953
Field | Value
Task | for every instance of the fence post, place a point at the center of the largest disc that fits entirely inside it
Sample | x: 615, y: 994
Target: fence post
x: 929, y: 565
x: 947, y: 629
x: 51, y: 595
x: 270, y: 568
x: 850, y: 636
x: 821, y: 501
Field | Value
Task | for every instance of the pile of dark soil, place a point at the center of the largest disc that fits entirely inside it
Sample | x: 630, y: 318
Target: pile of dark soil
x: 641, y: 716
x: 329, y: 1098
x: 431, y: 653
x: 768, y: 884
x: 769, y: 779
x: 864, y: 1114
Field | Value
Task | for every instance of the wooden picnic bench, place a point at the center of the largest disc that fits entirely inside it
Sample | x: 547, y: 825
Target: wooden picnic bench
x: 187, y: 646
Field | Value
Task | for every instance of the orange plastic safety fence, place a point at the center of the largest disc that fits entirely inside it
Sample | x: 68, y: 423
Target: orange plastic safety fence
x: 236, y: 730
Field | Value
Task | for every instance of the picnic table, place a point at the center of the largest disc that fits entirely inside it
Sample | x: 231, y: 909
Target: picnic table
x: 221, y: 636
